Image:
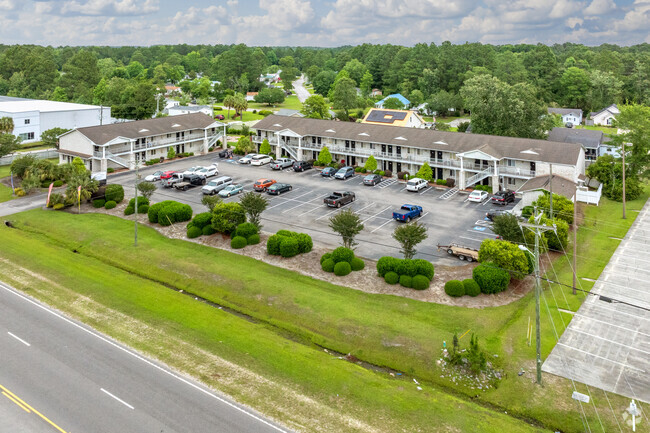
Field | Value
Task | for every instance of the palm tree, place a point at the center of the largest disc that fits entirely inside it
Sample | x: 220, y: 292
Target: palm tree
x: 88, y: 187
x: 229, y: 101
x: 241, y: 104
x: 6, y: 125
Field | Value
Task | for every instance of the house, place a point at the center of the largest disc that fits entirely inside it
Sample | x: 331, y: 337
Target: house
x: 32, y: 117
x: 398, y: 96
x: 535, y: 187
x: 250, y: 96
x: 178, y: 109
x: 171, y: 90
x: 375, y: 92
x: 289, y: 112
x: 406, y: 118
x: 570, y: 116
x: 270, y: 78
x: 593, y: 141
x: 502, y: 162
x: 123, y: 145
x: 604, y: 117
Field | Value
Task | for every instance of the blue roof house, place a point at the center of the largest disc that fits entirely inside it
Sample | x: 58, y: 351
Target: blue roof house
x: 399, y: 96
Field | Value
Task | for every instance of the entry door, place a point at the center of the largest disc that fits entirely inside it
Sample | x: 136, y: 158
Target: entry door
x: 390, y: 165
x: 390, y: 149
x: 439, y: 174
x: 532, y: 167
x: 399, y: 167
x: 398, y: 151
x: 383, y: 148
x: 353, y: 160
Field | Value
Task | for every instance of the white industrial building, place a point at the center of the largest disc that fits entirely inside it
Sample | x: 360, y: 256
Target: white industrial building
x: 32, y: 116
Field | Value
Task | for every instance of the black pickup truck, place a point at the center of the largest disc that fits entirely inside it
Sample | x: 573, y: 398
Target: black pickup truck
x: 338, y: 199
x: 190, y: 181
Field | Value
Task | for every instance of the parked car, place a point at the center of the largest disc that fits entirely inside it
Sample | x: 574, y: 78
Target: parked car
x: 220, y: 117
x: 497, y: 212
x: 416, y: 184
x: 338, y: 199
x: 261, y: 160
x: 477, y: 196
x: 372, y: 179
x: 282, y: 163
x: 231, y: 190
x: 263, y: 184
x: 407, y: 212
x: 503, y: 197
x: 226, y: 153
x: 278, y: 188
x: 100, y: 177
x: 301, y: 165
x: 208, y: 171
x: 192, y: 170
x: 154, y: 176
x: 167, y: 174
x: 216, y: 185
x: 190, y: 181
x: 344, y: 173
x: 327, y: 171
x: 247, y: 158
x: 172, y: 180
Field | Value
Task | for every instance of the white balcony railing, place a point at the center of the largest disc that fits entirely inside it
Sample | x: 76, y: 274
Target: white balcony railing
x: 516, y: 171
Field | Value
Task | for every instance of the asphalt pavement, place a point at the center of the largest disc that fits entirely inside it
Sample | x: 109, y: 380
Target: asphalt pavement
x: 58, y: 375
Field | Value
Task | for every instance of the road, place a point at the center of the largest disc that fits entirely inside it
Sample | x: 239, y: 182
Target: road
x: 299, y: 87
x: 61, y: 376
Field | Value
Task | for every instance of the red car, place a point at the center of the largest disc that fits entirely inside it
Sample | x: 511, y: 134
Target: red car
x: 167, y: 174
x: 263, y: 184
x: 220, y: 117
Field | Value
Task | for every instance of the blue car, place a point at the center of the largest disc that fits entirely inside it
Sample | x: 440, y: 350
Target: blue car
x: 328, y: 172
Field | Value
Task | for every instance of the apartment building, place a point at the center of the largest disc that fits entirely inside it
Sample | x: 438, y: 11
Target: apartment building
x: 123, y: 145
x: 502, y: 162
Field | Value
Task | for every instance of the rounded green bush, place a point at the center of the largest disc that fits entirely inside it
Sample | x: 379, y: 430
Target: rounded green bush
x: 202, y: 219
x: 490, y: 278
x: 273, y: 244
x: 193, y: 232
x: 454, y: 288
x: 342, y: 268
x: 423, y: 267
x: 391, y: 277
x: 328, y: 265
x: 143, y: 209
x: 471, y: 287
x: 420, y: 282
x: 406, y: 267
x: 153, y: 211
x: 288, y: 247
x: 342, y: 254
x: 110, y: 204
x: 114, y: 192
x: 129, y: 210
x: 141, y: 201
x: 246, y: 229
x: 286, y: 233
x: 325, y: 257
x: 386, y: 264
x: 100, y: 202
x: 406, y: 281
x: 305, y: 243
x: 110, y: 170
x: 58, y: 183
x: 253, y: 239
x: 208, y: 230
x: 238, y: 242
x: 357, y: 264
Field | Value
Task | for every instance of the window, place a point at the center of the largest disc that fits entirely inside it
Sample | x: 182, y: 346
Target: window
x: 511, y: 181
x: 511, y: 162
x: 27, y: 121
x: 26, y: 136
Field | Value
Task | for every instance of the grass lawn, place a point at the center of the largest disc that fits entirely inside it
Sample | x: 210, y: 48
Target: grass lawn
x: 291, y: 102
x: 31, y: 147
x: 5, y: 193
x: 5, y: 170
x: 247, y: 116
x: 605, y: 129
x: 402, y: 334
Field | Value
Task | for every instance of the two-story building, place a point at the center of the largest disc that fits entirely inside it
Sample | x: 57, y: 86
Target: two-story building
x: 570, y: 116
x: 404, y: 118
x: 502, y: 162
x: 123, y: 145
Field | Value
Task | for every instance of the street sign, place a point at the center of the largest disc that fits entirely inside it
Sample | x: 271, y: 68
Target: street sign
x: 580, y: 397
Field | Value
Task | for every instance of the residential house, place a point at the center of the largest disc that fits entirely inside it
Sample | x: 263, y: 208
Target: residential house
x: 604, y: 117
x: 405, y: 118
x: 398, y: 96
x: 123, y: 145
x: 502, y: 162
x: 535, y: 187
x: 32, y: 117
x: 289, y: 112
x: 250, y: 96
x: 375, y: 92
x: 178, y: 109
x: 593, y: 141
x: 172, y: 90
x: 570, y: 116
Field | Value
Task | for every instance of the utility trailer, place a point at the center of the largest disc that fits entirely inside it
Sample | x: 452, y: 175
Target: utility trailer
x: 462, y: 252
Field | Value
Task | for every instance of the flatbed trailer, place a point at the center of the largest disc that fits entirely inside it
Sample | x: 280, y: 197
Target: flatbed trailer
x: 460, y: 251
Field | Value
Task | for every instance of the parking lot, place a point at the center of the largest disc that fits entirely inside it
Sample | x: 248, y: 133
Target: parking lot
x: 452, y: 219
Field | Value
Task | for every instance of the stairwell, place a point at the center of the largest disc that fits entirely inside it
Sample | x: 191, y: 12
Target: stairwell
x: 479, y: 177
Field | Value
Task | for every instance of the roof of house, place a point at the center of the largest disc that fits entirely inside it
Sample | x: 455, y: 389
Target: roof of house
x: 381, y: 116
x: 506, y: 147
x: 399, y: 96
x: 560, y: 185
x: 612, y: 109
x: 192, y: 108
x: 288, y: 112
x: 252, y: 93
x: 10, y: 104
x: 587, y: 137
x: 146, y: 128
x: 564, y: 111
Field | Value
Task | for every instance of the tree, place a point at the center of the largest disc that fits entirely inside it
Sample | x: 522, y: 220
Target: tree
x: 425, y: 172
x: 210, y: 201
x: 371, y: 164
x: 88, y: 187
x: 609, y: 171
x: 356, y: 70
x: 366, y: 84
x: 562, y: 206
x: 409, y: 236
x: 604, y: 91
x: 344, y: 94
x: 244, y: 145
x: 270, y: 96
x: 323, y: 82
x: 505, y: 255
x: 254, y: 205
x: 442, y: 101
x: 80, y: 76
x: 6, y: 125
x: 507, y: 226
x: 227, y: 216
x: 393, y: 104
x: 240, y: 104
x: 416, y: 98
x: 79, y: 166
x: 324, y: 157
x: 50, y: 137
x: 229, y: 101
x: 146, y: 189
x: 265, y: 147
x: 348, y: 225
x: 8, y: 143
x: 315, y: 107
x: 442, y: 126
x: 634, y: 120
x: 575, y: 84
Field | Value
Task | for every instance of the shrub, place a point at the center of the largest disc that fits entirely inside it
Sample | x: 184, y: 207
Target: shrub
x: 110, y: 204
x: 342, y: 254
x: 441, y: 182
x: 401, y: 174
x: 358, y: 169
x: 342, y: 268
x: 100, y: 202
x: 288, y: 247
x: 406, y: 267
x: 328, y: 265
x: 252, y: 239
x: 208, y: 230
x: 386, y: 264
x: 57, y: 198
x: 424, y: 267
x: 129, y: 210
x: 110, y: 170
x: 246, y: 229
x: 490, y: 278
x: 420, y: 282
x: 238, y: 242
x: 471, y: 287
x: 305, y: 244
x: 526, y: 211
x: 153, y: 212
x: 325, y: 257
x: 391, y: 277
x: 454, y: 288
x: 357, y: 264
x: 202, y: 219
x: 168, y: 212
x: 19, y: 192
x: 58, y: 183
x: 58, y: 206
x: 382, y: 173
x: 114, y: 193
x: 143, y: 209
x: 227, y: 216
x: 193, y: 232
x: 388, y: 173
x: 141, y: 201
x: 265, y: 112
x: 273, y: 244
x: 405, y: 281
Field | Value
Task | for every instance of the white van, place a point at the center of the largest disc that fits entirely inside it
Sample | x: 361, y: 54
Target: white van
x: 216, y: 185
x: 416, y: 184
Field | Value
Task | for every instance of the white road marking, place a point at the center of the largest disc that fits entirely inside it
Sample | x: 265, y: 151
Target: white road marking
x: 141, y: 358
x: 375, y: 215
x: 19, y: 339
x: 471, y: 239
x: 372, y: 231
x: 328, y: 213
x: 302, y: 204
x: 352, y: 178
x: 424, y: 190
x: 611, y: 341
x: 118, y: 399
x: 601, y: 357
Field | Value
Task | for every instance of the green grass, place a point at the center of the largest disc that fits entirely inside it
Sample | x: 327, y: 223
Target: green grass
x: 93, y: 290
x: 6, y: 193
x: 5, y: 170
x: 403, y: 334
x: 291, y: 102
x: 34, y: 146
x: 605, y: 129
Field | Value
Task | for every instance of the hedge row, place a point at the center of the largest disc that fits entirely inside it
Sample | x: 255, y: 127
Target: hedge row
x: 416, y: 274
x: 341, y: 261
x: 487, y: 279
x: 168, y: 212
x: 288, y: 244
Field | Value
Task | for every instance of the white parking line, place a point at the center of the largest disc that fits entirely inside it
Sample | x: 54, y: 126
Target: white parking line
x: 328, y: 213
x: 372, y: 231
x: 471, y: 239
x: 302, y: 204
x: 19, y: 339
x: 352, y: 178
x: 483, y: 232
x: 375, y: 215
x: 424, y: 190
x: 117, y: 398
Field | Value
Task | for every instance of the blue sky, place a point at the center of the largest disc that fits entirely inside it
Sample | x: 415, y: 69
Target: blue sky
x: 323, y: 23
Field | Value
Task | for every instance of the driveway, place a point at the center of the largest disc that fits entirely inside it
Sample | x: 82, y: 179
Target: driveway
x: 301, y: 91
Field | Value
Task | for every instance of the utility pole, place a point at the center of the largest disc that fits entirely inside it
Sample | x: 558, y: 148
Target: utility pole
x: 538, y: 229
x: 550, y: 188
x: 137, y: 178
x: 623, y: 156
x: 575, y: 240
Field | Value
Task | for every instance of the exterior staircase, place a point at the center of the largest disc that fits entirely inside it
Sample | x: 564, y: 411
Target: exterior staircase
x: 116, y: 159
x: 291, y: 151
x: 479, y: 177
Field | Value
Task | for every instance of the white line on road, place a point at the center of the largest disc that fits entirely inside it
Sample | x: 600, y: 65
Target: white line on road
x: 471, y: 239
x: 19, y: 339
x: 375, y: 215
x: 598, y: 356
x: 610, y: 341
x: 118, y: 399
x: 302, y: 204
x: 372, y: 231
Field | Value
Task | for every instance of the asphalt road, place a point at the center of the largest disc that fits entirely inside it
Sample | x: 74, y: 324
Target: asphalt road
x: 299, y: 88
x: 57, y: 375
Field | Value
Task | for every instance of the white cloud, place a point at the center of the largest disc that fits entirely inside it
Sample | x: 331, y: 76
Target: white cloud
x: 600, y: 7
x: 636, y: 19
x: 8, y: 5
x: 109, y: 7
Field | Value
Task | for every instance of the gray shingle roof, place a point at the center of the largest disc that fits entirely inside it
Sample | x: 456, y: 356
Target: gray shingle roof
x: 588, y: 138
x: 504, y: 147
x: 146, y: 128
x: 563, y: 111
x: 561, y: 185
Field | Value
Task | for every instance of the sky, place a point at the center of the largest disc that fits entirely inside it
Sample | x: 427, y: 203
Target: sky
x: 322, y: 23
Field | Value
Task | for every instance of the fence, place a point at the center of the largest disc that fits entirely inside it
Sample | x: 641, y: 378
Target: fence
x: 39, y: 154
x: 590, y: 197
